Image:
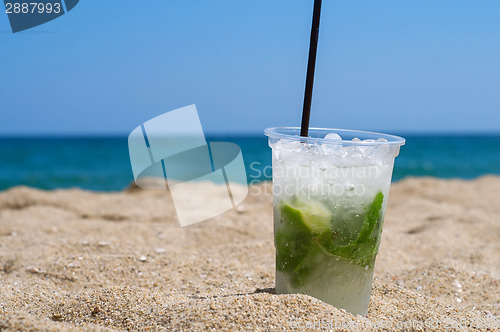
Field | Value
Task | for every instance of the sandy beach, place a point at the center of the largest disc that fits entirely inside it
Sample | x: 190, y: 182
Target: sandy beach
x: 80, y: 260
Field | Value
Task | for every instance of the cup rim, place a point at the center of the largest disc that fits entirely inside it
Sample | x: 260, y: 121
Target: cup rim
x: 391, y: 140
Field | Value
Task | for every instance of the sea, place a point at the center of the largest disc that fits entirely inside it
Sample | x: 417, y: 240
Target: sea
x: 103, y: 164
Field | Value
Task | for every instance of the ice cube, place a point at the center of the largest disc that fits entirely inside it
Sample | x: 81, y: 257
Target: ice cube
x: 367, y: 150
x: 354, y: 152
x: 283, y: 149
x: 288, y: 145
x: 381, y: 150
x: 333, y: 137
x: 333, y: 149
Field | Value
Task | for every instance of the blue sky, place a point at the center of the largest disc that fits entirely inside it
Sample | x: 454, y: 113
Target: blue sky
x: 394, y: 65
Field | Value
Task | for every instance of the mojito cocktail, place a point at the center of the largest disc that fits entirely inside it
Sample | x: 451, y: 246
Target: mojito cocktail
x: 330, y: 193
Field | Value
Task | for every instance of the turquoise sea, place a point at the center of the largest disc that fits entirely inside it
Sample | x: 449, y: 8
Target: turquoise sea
x: 102, y: 163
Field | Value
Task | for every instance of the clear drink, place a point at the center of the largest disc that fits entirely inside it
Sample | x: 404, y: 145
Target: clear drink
x: 330, y: 196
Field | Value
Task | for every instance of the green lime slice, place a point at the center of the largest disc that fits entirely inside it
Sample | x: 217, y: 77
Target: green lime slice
x: 302, y: 222
x: 312, y: 217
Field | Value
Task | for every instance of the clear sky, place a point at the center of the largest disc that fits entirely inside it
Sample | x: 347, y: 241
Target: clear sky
x: 395, y: 65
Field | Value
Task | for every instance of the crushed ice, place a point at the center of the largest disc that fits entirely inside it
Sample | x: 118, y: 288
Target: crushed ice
x: 339, y: 149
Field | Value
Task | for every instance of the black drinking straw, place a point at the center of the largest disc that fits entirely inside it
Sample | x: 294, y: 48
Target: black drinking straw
x: 306, y: 112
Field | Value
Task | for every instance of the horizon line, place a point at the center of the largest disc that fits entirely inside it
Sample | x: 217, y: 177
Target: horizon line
x: 247, y: 134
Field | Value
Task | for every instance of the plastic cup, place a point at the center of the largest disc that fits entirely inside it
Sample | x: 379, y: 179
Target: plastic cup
x: 330, y: 196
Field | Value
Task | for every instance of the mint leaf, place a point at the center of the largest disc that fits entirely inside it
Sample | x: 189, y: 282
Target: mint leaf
x: 364, y: 249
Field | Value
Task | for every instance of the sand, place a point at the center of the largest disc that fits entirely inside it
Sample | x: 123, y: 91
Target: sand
x: 78, y: 260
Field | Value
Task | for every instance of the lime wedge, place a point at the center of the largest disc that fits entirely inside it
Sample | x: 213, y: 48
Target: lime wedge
x: 302, y: 223
x: 310, y: 216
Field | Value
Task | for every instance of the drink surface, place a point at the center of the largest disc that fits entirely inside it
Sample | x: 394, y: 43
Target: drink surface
x: 329, y: 203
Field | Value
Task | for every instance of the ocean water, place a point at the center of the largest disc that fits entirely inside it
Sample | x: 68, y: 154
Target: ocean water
x: 103, y: 164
